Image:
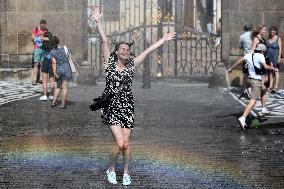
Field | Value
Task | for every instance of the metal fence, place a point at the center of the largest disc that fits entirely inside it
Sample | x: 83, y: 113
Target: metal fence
x: 195, y: 53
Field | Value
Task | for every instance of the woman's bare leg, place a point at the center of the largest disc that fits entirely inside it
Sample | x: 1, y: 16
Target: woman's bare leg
x: 117, y: 133
x: 44, y: 84
x: 56, y: 91
x: 126, y: 149
x: 64, y: 92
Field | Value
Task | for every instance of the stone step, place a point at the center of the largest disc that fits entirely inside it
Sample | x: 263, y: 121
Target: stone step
x: 15, y: 74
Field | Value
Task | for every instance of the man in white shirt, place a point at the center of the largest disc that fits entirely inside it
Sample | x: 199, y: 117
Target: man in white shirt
x: 245, y: 44
x: 245, y: 39
x: 256, y: 65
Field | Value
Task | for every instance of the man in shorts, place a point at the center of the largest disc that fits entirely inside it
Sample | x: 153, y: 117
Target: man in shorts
x: 256, y: 65
x: 38, y: 54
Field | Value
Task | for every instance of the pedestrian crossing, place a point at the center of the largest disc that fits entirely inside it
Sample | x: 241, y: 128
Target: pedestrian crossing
x: 18, y: 90
x: 275, y: 102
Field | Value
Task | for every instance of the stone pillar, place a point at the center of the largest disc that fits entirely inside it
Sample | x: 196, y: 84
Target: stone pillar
x: 86, y: 74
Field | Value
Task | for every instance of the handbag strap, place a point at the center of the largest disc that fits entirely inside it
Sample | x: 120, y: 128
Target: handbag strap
x: 252, y: 60
x: 66, y: 51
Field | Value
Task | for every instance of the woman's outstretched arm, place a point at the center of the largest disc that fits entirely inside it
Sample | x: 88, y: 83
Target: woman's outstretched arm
x: 97, y: 15
x: 140, y: 58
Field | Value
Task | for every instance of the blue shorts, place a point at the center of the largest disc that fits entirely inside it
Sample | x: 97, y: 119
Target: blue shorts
x: 46, y: 66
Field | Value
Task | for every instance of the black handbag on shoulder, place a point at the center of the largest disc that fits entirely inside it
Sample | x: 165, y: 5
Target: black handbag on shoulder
x: 100, y: 102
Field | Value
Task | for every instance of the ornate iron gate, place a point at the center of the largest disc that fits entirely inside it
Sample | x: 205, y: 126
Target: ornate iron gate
x: 194, y: 53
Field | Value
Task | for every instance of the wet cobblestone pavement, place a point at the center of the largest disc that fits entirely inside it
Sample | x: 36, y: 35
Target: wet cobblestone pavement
x: 185, y: 136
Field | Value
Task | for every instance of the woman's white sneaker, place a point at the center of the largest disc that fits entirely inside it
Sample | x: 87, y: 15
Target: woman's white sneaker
x: 126, y: 179
x: 111, y: 176
x: 43, y: 98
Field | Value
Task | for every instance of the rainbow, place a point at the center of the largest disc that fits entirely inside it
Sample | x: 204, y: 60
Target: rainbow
x: 163, y: 163
x: 189, y: 168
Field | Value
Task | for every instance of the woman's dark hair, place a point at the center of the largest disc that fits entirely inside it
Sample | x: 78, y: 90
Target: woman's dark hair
x: 54, y: 42
x: 117, y: 45
x: 42, y: 21
x: 46, y: 45
x: 273, y: 28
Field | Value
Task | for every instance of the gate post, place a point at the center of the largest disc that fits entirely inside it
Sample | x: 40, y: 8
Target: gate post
x: 146, y: 78
x: 175, y: 43
x: 160, y: 65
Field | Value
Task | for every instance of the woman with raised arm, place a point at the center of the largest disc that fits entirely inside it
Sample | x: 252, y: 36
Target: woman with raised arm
x: 119, y: 115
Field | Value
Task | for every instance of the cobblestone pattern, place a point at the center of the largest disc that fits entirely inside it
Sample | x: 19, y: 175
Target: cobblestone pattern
x: 275, y: 103
x: 14, y: 90
x: 185, y: 136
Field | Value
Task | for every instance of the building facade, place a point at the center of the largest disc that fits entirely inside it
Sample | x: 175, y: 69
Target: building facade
x: 235, y: 14
x: 65, y: 19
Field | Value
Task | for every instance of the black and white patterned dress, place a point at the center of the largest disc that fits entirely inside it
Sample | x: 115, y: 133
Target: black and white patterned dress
x: 121, y: 109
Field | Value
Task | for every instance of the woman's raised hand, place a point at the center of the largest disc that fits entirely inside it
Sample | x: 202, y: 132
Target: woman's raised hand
x: 96, y: 14
x: 169, y: 36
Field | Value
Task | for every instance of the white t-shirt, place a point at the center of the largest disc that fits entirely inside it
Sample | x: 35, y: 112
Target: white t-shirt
x: 258, y: 59
x: 245, y: 42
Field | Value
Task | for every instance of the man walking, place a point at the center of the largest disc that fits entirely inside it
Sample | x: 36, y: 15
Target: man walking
x: 256, y: 65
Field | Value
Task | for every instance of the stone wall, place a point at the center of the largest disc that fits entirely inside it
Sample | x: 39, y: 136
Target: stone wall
x: 236, y: 13
x: 65, y: 18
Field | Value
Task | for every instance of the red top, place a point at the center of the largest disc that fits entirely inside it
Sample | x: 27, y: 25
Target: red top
x: 38, y: 32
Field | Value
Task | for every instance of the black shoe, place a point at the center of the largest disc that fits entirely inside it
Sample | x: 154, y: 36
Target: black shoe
x: 273, y: 91
x: 242, y: 95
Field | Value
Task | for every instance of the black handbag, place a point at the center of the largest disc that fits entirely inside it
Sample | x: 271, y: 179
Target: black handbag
x: 100, y: 102
x: 104, y: 100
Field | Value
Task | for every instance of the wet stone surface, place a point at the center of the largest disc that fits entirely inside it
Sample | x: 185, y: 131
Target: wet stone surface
x: 185, y: 136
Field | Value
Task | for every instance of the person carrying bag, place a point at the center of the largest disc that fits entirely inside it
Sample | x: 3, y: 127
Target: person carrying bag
x: 73, y: 65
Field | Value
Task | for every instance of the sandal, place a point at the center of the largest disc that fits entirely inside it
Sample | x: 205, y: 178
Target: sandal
x: 63, y: 106
x: 53, y: 105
